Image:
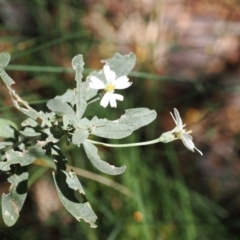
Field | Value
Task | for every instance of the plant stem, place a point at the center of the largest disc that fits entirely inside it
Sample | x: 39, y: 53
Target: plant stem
x: 126, y: 145
x: 94, y: 100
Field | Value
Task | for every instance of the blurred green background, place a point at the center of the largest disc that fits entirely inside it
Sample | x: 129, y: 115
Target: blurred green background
x: 188, y: 57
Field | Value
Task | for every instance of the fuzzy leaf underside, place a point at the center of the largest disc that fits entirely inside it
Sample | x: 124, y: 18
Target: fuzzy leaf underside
x: 13, y: 201
x: 79, y: 136
x: 137, y: 117
x: 30, y: 132
x: 112, y: 131
x: 80, y: 93
x: 68, y: 97
x: 29, y: 122
x: 72, y: 196
x: 24, y: 159
x: 4, y: 59
x: 122, y: 65
x: 98, y: 122
x: 59, y: 107
x: 7, y: 128
x: 92, y: 154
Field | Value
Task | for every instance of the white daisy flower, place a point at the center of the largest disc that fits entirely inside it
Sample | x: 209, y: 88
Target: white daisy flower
x: 180, y: 133
x: 109, y: 87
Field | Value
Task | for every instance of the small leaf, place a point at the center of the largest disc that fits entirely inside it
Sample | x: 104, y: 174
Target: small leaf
x: 4, y: 59
x: 13, y: 201
x: 7, y: 128
x: 112, y: 130
x: 30, y: 132
x: 22, y: 158
x: 77, y: 64
x: 137, y: 117
x: 6, y: 78
x: 68, y: 97
x: 59, y: 107
x: 80, y: 95
x: 73, y: 198
x: 79, y: 136
x: 29, y: 122
x: 122, y: 65
x: 92, y: 154
x: 5, y: 145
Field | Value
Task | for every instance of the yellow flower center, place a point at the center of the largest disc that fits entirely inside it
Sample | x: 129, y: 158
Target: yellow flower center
x: 179, y: 133
x: 109, y: 88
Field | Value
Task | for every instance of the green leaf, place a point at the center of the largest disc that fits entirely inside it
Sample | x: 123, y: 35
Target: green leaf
x: 4, y: 59
x: 79, y: 136
x: 59, y: 107
x: 112, y: 130
x: 137, y: 117
x: 122, y: 65
x: 13, y: 201
x: 22, y: 158
x: 73, y: 198
x: 92, y: 154
x: 7, y: 128
x: 81, y: 103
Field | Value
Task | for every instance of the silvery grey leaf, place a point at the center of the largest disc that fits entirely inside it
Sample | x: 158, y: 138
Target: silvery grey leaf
x: 112, y: 130
x: 92, y: 154
x: 137, y: 117
x: 122, y: 65
x: 79, y: 136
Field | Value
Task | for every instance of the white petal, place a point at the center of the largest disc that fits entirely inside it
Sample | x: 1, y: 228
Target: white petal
x: 118, y: 96
x: 187, y: 136
x: 96, y: 83
x: 110, y: 75
x: 188, y: 144
x: 106, y: 98
x: 113, y: 101
x: 122, y: 83
x: 174, y: 119
x: 199, y: 151
x: 178, y: 118
x: 115, y: 97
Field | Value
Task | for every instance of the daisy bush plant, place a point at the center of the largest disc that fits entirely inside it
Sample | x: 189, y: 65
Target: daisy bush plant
x: 39, y: 134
